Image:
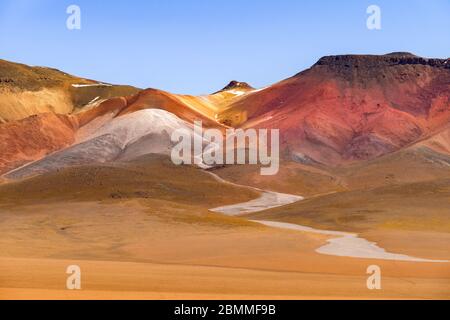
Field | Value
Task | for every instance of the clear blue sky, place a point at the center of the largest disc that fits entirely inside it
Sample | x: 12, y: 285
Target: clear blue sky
x: 197, y: 46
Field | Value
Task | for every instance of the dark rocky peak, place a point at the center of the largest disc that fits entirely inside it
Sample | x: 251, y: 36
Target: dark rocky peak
x: 391, y: 59
x: 233, y: 85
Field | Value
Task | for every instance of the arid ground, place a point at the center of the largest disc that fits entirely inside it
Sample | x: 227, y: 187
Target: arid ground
x: 86, y: 179
x: 131, y: 245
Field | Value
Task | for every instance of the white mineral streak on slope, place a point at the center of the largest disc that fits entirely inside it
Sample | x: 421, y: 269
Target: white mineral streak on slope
x: 238, y: 92
x: 258, y: 90
x: 91, y: 85
x: 345, y: 244
x: 93, y: 101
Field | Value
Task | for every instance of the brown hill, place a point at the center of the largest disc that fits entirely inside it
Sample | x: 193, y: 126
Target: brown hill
x: 26, y: 91
x: 237, y: 85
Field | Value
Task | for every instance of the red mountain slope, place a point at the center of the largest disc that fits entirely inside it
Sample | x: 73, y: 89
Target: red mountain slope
x: 349, y: 108
x: 32, y: 138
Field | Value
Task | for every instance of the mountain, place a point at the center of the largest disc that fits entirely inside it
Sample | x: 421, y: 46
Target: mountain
x: 26, y: 91
x: 343, y: 110
x: 351, y: 108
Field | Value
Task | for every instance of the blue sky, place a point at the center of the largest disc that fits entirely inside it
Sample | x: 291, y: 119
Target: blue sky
x: 198, y: 46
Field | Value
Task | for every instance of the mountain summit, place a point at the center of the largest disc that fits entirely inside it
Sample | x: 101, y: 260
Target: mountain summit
x: 237, y: 85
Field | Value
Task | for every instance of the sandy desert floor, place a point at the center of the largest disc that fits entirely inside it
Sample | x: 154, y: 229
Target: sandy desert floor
x: 138, y: 231
x: 125, y: 251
